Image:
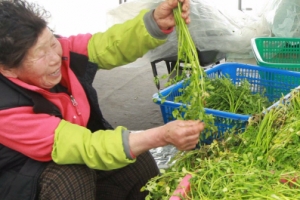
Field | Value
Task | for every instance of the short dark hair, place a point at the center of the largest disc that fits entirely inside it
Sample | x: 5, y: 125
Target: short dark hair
x: 21, y: 23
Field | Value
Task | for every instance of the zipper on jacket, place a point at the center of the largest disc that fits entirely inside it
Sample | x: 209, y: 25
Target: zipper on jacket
x: 75, y: 104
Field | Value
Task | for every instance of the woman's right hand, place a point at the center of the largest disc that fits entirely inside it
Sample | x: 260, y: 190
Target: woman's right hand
x: 184, y: 135
x: 163, y: 14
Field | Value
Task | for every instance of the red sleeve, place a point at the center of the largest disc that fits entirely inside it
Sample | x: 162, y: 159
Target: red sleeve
x: 77, y: 43
x: 28, y: 133
x: 168, y: 31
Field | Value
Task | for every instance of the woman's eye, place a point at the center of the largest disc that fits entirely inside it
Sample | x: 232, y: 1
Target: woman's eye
x: 42, y: 56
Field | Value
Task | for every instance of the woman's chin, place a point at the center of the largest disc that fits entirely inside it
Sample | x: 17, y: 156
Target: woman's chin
x: 53, y: 81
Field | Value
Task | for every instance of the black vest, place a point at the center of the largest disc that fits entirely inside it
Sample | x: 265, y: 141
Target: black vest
x: 18, y: 173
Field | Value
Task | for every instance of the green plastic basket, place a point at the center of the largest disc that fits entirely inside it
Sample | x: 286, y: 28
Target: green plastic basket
x: 279, y: 53
x: 275, y: 52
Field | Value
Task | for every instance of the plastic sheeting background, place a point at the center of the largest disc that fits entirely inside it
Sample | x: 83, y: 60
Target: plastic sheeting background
x: 215, y: 28
x: 283, y: 16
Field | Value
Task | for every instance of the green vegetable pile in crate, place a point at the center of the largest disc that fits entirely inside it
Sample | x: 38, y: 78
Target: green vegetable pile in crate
x: 258, y: 80
x: 235, y: 98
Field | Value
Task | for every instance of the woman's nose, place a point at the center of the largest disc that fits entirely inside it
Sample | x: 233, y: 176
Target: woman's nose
x: 54, y: 58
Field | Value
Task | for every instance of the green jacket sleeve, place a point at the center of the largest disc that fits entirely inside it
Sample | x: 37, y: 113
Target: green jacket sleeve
x: 124, y: 43
x: 103, y: 150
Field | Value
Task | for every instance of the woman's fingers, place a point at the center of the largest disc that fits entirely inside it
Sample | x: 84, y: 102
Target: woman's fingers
x: 184, y: 134
x: 163, y: 14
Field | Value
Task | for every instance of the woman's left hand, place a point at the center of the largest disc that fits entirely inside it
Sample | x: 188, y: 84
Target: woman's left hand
x: 163, y: 14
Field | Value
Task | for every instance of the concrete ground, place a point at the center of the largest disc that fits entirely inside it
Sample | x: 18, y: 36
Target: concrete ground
x: 125, y: 95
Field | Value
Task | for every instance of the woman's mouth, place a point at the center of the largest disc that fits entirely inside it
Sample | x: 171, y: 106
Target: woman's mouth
x: 56, y: 73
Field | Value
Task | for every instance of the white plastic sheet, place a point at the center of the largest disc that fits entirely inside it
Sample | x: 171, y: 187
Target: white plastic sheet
x: 283, y: 17
x: 212, y: 27
x: 229, y: 31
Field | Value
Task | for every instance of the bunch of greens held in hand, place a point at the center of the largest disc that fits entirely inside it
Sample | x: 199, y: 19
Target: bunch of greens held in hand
x: 263, y: 162
x: 194, y: 93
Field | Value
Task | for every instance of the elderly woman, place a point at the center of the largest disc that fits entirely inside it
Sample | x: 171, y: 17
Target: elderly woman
x: 54, y: 141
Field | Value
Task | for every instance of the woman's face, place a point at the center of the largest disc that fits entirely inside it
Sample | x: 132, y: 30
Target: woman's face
x: 42, y: 64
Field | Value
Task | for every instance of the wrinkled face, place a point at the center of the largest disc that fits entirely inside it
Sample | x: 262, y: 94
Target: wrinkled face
x: 42, y: 64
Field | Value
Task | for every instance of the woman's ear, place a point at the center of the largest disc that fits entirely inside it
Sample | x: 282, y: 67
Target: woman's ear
x: 7, y: 72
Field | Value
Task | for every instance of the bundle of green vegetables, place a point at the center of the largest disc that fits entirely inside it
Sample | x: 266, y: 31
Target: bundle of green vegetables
x: 196, y: 89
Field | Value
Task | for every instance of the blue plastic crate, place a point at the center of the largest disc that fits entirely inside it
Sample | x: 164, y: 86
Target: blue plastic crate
x: 259, y: 79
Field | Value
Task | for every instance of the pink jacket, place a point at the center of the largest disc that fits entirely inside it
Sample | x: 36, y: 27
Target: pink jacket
x: 24, y: 130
